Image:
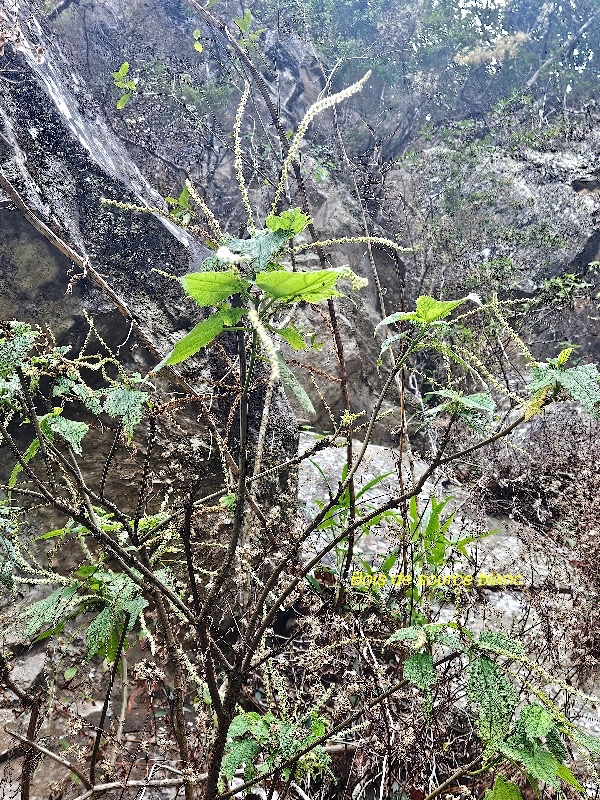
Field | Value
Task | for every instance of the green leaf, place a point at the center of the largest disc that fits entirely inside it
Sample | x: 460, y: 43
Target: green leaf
x: 71, y: 431
x: 536, y: 721
x: 291, y: 381
x: 403, y: 634
x: 260, y: 250
x: 292, y: 336
x: 30, y: 453
x: 123, y: 100
x: 419, y: 670
x: 128, y: 404
x: 202, y: 334
x: 7, y: 563
x: 70, y: 673
x: 290, y: 222
x: 211, y: 288
x: 430, y: 310
x: 555, y: 745
x: 198, y: 47
x: 565, y: 774
x: 538, y: 762
x: 399, y: 316
x: 500, y: 641
x: 15, y: 348
x: 50, y: 611
x: 582, y: 383
x: 98, y: 632
x: 496, y: 700
x: 51, y: 534
x: 238, y: 753
x: 586, y: 740
x: 244, y: 22
x: 290, y: 287
x: 503, y: 790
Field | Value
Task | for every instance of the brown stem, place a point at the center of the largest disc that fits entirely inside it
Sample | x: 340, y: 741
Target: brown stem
x: 178, y: 695
x: 59, y: 760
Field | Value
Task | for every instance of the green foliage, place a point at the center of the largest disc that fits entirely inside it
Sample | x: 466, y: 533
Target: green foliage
x: 244, y: 24
x: 126, y: 84
x: 563, y: 288
x: 294, y: 287
x: 474, y: 410
x: 293, y: 384
x: 262, y: 742
x: 418, y: 669
x: 428, y: 311
x: 197, y: 45
x: 211, y: 288
x: 496, y: 701
x: 71, y: 431
x: 127, y: 404
x: 180, y: 208
x: 290, y: 222
x: 202, y: 334
x: 582, y: 383
x: 503, y: 790
x: 14, y: 348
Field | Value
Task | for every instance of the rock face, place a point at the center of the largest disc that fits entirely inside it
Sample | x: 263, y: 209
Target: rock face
x: 60, y: 155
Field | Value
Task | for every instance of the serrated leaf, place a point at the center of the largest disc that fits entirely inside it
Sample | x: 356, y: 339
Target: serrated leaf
x: 71, y: 431
x: 496, y: 700
x: 98, y: 632
x: 292, y: 337
x: 260, y: 250
x: 503, y: 790
x: 555, y: 745
x: 291, y: 381
x: 238, y: 753
x: 583, y: 385
x: 537, y: 761
x: 15, y: 347
x: 49, y: 611
x: 418, y: 669
x: 290, y: 222
x: 211, y: 288
x: 290, y: 287
x: 128, y: 404
x: 404, y: 634
x: 536, y: 721
x: 430, y: 310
